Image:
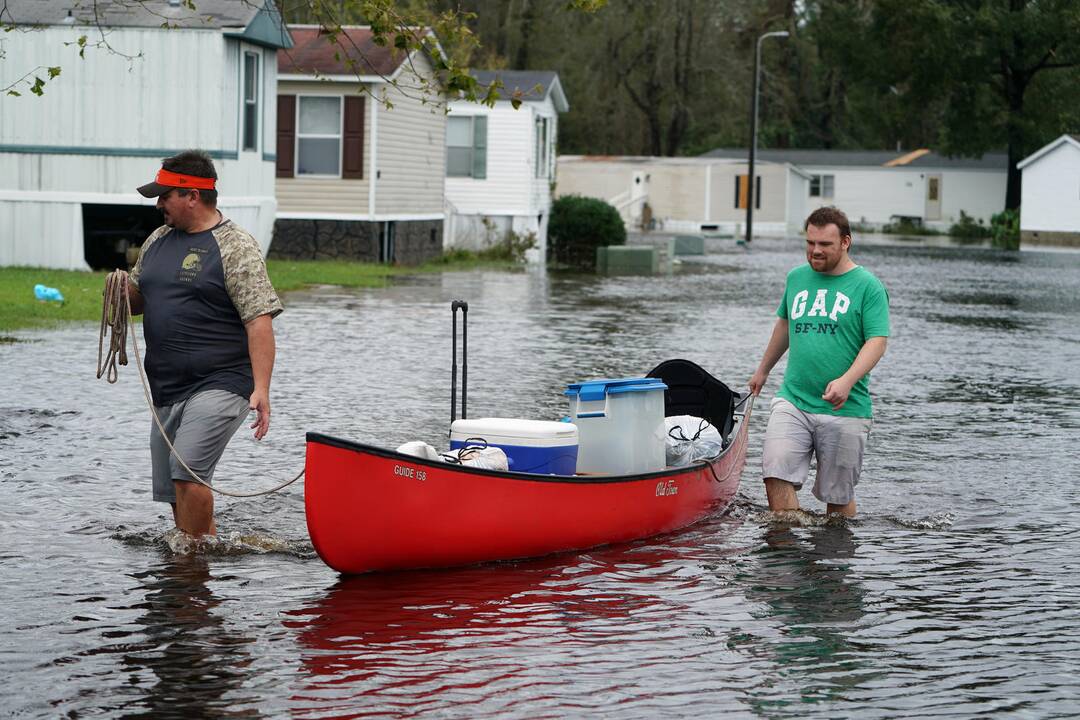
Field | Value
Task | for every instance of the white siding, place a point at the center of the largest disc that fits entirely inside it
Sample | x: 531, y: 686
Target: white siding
x: 1050, y: 193
x: 871, y: 194
x: 979, y: 193
x: 41, y: 234
x: 411, y: 137
x: 798, y: 191
x: 874, y: 194
x: 540, y: 200
x: 507, y: 189
x: 103, y: 125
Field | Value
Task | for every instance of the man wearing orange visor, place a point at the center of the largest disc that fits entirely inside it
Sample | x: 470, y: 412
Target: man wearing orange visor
x: 201, y: 284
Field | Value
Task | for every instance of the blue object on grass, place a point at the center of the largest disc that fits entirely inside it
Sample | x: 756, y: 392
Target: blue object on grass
x: 42, y: 292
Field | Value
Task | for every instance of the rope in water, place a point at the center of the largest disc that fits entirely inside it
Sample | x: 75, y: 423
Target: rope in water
x: 116, y: 316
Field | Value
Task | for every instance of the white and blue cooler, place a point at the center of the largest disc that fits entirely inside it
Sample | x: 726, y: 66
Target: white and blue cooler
x: 532, y: 446
x: 620, y: 425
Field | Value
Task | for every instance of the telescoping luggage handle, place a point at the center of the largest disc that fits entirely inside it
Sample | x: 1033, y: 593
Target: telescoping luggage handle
x: 454, y: 307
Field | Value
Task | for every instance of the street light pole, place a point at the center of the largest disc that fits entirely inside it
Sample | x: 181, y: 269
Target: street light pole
x: 753, y: 132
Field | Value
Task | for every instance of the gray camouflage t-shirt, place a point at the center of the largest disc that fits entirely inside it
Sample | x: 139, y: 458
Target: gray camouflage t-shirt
x: 199, y: 291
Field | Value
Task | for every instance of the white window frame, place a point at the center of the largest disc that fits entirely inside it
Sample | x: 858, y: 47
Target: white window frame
x: 471, y: 147
x: 542, y: 124
x: 340, y: 135
x: 820, y: 180
x: 245, y: 102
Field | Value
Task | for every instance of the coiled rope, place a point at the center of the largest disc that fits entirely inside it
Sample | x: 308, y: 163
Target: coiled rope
x: 116, y: 317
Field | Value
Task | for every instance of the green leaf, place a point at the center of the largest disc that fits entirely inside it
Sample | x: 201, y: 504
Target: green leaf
x: 53, y: 72
x: 37, y: 87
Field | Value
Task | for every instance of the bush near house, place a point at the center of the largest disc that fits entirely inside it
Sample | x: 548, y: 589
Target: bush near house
x: 904, y: 226
x: 578, y: 226
x: 967, y: 227
x: 1005, y: 229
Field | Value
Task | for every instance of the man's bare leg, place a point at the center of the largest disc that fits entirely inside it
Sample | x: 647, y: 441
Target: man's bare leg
x: 781, y: 494
x: 194, y: 509
x: 845, y: 510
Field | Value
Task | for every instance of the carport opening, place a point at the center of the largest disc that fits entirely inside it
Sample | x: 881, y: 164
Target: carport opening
x: 113, y: 234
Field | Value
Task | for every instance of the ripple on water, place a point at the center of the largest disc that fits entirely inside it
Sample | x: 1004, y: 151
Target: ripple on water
x: 954, y: 592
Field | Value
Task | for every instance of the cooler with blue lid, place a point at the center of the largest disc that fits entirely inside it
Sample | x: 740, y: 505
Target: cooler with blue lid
x: 532, y: 446
x: 620, y: 425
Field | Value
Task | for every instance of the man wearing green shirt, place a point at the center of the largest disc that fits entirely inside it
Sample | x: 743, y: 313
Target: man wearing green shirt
x: 834, y: 319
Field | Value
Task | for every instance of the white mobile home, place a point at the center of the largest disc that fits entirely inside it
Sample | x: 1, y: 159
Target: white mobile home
x: 70, y: 160
x: 879, y: 187
x: 501, y: 160
x: 1050, y: 194
x: 360, y: 150
x: 690, y: 195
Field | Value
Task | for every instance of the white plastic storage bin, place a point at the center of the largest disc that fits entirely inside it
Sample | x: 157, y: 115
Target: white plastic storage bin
x: 620, y: 425
x: 532, y: 446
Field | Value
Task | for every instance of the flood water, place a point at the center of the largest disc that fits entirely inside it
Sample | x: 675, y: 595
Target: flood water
x: 954, y: 593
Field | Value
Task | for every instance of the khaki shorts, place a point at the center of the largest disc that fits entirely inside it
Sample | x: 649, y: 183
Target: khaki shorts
x: 199, y: 428
x: 839, y: 443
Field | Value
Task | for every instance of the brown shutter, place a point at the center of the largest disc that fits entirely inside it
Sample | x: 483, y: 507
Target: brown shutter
x: 742, y: 186
x: 286, y: 135
x: 352, y: 141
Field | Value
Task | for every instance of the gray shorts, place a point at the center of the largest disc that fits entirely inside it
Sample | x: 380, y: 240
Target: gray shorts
x: 839, y: 443
x: 199, y: 428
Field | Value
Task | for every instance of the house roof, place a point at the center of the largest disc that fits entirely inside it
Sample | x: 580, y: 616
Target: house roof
x: 256, y: 21
x: 353, y: 55
x: 526, y: 82
x: 1073, y: 140
x: 873, y: 158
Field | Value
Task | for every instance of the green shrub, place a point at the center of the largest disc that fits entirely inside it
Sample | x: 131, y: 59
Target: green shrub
x: 1005, y: 229
x: 578, y: 226
x: 967, y: 227
x: 512, y: 248
x: 906, y: 227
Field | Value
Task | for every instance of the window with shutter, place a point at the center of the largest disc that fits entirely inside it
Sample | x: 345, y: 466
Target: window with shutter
x: 318, y: 135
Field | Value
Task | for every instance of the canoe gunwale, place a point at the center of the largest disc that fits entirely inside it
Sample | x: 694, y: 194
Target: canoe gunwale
x: 733, y: 446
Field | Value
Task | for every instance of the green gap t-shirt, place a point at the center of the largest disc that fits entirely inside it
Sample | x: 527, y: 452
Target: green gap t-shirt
x: 830, y: 318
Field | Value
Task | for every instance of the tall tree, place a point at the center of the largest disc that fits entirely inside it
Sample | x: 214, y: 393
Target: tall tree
x: 987, y: 60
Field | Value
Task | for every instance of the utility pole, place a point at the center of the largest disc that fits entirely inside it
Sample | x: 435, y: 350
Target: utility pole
x: 753, y: 133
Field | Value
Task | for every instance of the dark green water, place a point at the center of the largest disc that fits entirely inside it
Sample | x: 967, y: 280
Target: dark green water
x: 955, y: 593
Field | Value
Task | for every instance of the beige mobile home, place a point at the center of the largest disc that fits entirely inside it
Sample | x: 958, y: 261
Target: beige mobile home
x: 689, y: 195
x: 360, y: 150
x: 876, y: 187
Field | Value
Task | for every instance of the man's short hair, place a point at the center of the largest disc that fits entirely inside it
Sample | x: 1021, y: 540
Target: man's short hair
x: 829, y: 215
x: 197, y: 163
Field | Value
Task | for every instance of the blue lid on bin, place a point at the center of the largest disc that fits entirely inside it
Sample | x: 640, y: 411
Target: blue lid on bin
x: 597, y: 389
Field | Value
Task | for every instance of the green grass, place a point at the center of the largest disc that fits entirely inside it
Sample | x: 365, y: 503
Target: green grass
x: 19, y: 309
x: 82, y: 290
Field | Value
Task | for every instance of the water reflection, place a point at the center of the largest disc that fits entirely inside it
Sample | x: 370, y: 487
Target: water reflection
x: 195, y: 656
x: 402, y: 634
x: 803, y: 583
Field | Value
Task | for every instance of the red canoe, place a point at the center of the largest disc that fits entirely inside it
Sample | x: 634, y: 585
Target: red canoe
x: 374, y: 509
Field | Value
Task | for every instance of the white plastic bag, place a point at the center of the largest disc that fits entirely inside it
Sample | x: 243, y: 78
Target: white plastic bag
x: 690, y: 439
x: 420, y: 449
x: 489, y: 458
